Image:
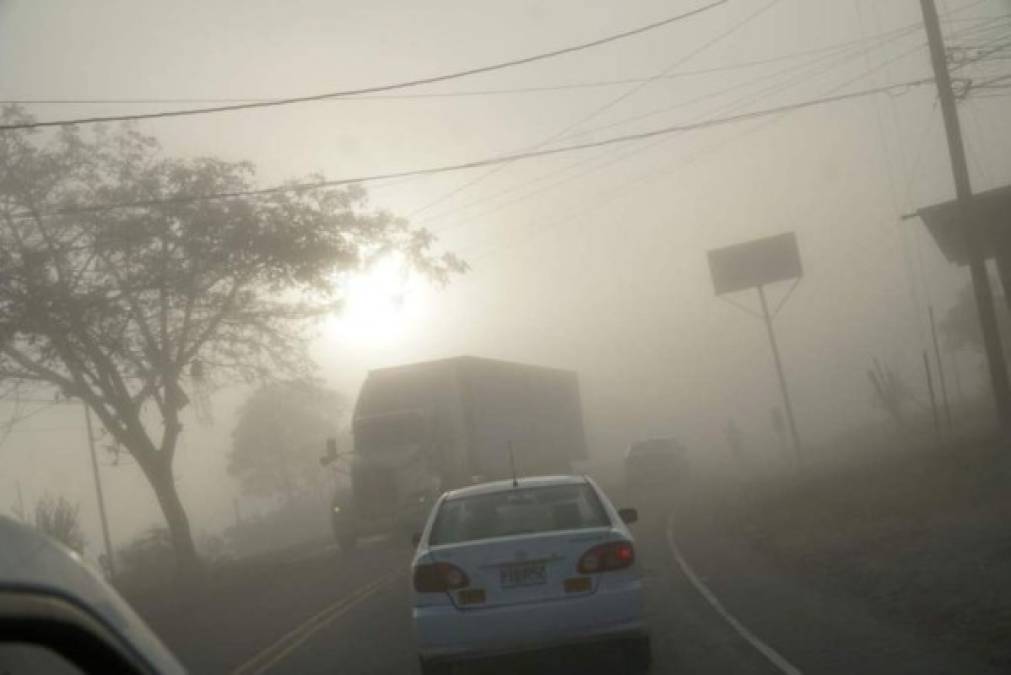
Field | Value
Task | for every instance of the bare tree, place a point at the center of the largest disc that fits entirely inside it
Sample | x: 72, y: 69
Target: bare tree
x: 127, y: 307
x: 960, y: 324
x: 890, y: 392
x: 58, y: 518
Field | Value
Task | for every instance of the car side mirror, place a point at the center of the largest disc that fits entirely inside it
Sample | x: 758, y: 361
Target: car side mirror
x: 416, y: 539
x: 628, y: 516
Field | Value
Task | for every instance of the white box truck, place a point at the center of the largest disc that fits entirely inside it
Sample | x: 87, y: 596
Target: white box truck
x: 424, y: 428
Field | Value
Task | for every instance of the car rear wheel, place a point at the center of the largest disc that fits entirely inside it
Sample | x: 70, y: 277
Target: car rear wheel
x: 638, y: 654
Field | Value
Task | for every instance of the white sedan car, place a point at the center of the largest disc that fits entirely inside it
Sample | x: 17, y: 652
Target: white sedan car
x: 521, y: 565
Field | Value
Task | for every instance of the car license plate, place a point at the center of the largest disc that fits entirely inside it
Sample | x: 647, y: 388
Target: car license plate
x: 532, y: 574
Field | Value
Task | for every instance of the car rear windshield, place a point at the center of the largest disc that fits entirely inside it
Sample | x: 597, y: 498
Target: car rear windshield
x: 518, y: 511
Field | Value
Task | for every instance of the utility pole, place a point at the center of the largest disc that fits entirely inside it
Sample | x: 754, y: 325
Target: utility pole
x: 98, y: 491
x: 953, y: 356
x: 933, y: 399
x: 970, y: 230
x: 940, y: 368
x: 22, y: 514
x: 791, y: 422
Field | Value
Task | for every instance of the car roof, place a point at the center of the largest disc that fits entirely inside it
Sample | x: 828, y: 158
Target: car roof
x: 506, y: 485
x: 31, y: 561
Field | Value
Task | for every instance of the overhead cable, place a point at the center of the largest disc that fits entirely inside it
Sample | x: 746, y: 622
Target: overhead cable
x: 305, y: 187
x: 373, y: 89
x: 733, y: 106
x: 561, y: 133
x: 881, y: 39
x: 503, y: 91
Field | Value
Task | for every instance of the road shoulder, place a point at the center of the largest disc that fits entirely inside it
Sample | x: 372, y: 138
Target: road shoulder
x: 817, y: 630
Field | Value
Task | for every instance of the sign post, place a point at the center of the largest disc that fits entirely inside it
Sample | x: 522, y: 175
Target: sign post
x: 777, y: 359
x: 110, y: 556
x: 755, y: 264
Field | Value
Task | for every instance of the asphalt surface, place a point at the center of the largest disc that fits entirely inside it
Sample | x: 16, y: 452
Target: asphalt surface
x: 333, y: 613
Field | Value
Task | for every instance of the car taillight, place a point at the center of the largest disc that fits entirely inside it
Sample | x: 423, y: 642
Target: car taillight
x: 439, y: 577
x: 615, y: 555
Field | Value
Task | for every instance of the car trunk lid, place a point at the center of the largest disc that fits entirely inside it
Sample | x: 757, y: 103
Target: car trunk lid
x: 522, y: 568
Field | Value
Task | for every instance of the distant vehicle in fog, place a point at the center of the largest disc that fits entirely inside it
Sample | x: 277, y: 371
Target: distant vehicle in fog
x: 655, y: 463
x: 529, y: 564
x: 424, y: 428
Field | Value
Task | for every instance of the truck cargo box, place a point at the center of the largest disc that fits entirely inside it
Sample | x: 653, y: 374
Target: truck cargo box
x: 469, y: 410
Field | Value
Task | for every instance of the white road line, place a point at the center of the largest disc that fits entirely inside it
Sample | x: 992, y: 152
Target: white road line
x: 765, y: 650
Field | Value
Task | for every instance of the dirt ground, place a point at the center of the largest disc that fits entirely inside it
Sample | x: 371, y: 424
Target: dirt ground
x: 922, y: 536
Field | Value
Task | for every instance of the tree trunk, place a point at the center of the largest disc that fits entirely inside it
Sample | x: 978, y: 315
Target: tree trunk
x: 189, y: 569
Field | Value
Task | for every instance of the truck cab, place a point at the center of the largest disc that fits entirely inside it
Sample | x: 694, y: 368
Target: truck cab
x: 394, y: 477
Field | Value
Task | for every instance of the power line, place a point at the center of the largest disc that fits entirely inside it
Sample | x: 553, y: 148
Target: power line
x: 974, y: 153
x: 659, y: 111
x: 886, y: 163
x: 466, y: 93
x: 880, y: 38
x: 986, y: 83
x: 724, y: 109
x: 374, y: 89
x: 622, y: 189
x: 399, y: 177
x: 600, y: 109
x: 916, y: 306
x: 665, y: 74
x: 692, y: 54
x: 304, y: 187
x: 563, y: 86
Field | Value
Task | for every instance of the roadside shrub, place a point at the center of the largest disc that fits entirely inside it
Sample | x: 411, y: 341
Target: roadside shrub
x: 59, y: 519
x: 147, y: 560
x: 291, y: 524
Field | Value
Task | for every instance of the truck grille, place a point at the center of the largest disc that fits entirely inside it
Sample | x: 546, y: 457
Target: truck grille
x: 375, y: 491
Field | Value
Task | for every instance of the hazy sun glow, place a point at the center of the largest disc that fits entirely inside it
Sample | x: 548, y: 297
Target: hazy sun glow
x: 381, y: 306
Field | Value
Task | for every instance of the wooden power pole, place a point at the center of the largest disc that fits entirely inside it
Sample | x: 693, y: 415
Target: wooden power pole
x: 970, y: 228
x: 110, y: 558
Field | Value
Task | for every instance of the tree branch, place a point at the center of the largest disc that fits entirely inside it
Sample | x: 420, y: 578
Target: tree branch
x: 213, y: 323
x: 40, y: 371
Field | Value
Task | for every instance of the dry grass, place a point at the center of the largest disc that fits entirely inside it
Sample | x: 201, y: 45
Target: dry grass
x: 922, y: 536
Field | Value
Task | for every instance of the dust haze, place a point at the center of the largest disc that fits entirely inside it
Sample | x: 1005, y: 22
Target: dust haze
x: 592, y: 261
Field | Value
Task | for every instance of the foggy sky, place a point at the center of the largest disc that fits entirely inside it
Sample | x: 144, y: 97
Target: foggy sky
x: 605, y: 273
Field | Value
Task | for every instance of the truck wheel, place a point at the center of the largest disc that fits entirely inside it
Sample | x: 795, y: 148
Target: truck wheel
x: 347, y: 541
x: 638, y: 655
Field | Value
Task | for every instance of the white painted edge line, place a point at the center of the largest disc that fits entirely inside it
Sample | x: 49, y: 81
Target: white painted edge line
x: 765, y: 650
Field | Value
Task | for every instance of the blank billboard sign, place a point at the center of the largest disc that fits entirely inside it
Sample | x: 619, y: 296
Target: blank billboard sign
x: 755, y: 263
x: 992, y: 218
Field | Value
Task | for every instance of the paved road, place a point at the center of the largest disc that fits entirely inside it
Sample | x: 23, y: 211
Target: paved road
x: 374, y: 637
x: 334, y: 614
